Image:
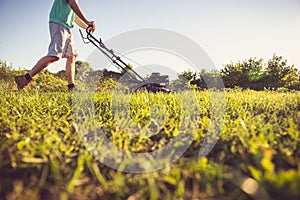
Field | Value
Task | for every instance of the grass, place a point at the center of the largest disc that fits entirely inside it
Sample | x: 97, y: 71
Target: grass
x: 44, y: 154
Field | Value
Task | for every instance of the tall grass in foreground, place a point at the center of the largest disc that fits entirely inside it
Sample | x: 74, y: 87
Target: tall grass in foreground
x: 43, y: 155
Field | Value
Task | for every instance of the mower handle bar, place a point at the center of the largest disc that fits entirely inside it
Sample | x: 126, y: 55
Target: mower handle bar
x: 107, y: 52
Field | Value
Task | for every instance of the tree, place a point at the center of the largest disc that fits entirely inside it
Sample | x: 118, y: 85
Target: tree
x: 243, y: 74
x: 82, y: 69
x: 61, y: 74
x: 280, y: 74
x: 201, y: 80
x: 252, y: 73
x: 211, y: 79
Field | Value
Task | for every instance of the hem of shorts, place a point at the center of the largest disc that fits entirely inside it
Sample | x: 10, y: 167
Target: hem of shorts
x: 55, y: 55
x: 62, y: 56
x: 66, y: 56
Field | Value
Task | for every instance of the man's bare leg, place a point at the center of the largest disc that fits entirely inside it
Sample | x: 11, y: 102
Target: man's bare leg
x: 24, y: 80
x: 70, y: 69
x: 42, y: 63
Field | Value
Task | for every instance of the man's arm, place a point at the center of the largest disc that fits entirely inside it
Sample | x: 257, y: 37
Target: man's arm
x: 75, y: 7
x: 80, y: 23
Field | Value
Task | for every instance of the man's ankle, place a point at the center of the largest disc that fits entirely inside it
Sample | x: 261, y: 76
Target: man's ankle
x: 71, y: 86
x: 28, y: 77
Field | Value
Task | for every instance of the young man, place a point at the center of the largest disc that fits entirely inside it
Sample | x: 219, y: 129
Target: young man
x: 63, y: 15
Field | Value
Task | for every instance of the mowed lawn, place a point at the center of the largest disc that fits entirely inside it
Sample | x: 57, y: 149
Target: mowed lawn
x: 256, y: 156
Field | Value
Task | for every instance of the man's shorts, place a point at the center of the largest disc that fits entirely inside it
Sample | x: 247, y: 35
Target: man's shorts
x: 62, y: 44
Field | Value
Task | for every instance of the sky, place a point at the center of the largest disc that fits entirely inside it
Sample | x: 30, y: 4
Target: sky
x: 227, y: 30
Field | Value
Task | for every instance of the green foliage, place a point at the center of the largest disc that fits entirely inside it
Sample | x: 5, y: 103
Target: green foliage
x: 6, y: 72
x: 280, y: 74
x: 106, y: 84
x: 42, y: 155
x: 256, y: 156
x: 202, y: 80
x: 82, y: 70
x: 243, y: 74
x: 254, y: 74
x: 6, y: 76
x: 48, y: 82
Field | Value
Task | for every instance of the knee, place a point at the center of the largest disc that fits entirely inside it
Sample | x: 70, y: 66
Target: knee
x: 55, y: 58
x: 73, y: 58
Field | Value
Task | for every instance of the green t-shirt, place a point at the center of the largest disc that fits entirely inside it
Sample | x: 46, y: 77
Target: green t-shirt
x: 62, y: 13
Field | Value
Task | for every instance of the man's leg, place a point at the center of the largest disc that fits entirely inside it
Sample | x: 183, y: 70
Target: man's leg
x: 70, y: 71
x: 24, y: 80
x: 42, y: 63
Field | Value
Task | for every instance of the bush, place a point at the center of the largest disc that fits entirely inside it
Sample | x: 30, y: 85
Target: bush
x: 48, y: 82
x: 44, y: 81
x: 6, y: 72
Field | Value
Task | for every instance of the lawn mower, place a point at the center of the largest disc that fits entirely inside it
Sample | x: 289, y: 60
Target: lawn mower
x: 155, y: 83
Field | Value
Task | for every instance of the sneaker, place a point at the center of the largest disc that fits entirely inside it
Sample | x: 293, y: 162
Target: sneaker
x: 72, y: 88
x: 22, y: 82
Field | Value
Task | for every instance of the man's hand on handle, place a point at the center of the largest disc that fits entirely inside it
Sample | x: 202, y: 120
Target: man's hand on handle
x: 91, y: 26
